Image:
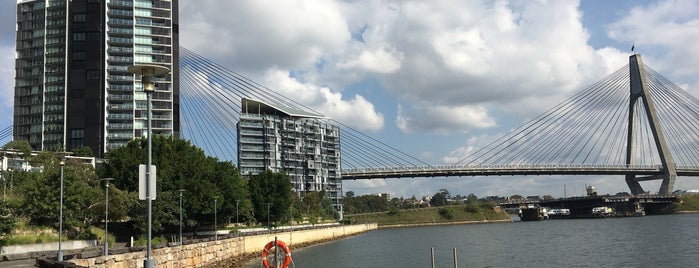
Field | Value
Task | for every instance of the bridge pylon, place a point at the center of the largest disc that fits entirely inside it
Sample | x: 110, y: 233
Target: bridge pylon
x: 639, y: 90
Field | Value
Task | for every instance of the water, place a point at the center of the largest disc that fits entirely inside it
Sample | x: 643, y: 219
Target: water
x: 651, y: 241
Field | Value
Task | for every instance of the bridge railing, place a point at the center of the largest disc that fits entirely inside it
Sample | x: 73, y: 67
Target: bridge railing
x: 502, y: 167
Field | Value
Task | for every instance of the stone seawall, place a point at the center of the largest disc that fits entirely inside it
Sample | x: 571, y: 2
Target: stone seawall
x: 210, y: 252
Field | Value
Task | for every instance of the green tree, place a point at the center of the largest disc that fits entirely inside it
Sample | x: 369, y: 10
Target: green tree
x: 179, y: 165
x: 440, y: 198
x: 319, y: 206
x: 273, y: 189
x: 83, y: 151
x: 40, y: 200
x: 19, y: 145
x: 7, y: 221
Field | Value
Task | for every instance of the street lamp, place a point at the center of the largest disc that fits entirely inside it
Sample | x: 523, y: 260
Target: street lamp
x: 106, y: 213
x: 181, y: 191
x: 4, y: 188
x: 215, y: 219
x: 268, y: 226
x: 236, y: 211
x: 148, y: 72
x: 60, y: 216
x: 12, y: 178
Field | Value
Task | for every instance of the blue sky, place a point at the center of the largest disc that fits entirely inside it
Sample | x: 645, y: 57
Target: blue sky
x: 436, y: 79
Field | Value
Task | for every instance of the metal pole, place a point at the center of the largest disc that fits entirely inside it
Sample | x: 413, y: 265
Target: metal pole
x: 456, y: 264
x: 148, y: 75
x: 432, y: 256
x: 60, y: 217
x: 236, y: 212
x: 12, y: 179
x: 215, y: 219
x: 275, y: 252
x: 268, y: 226
x: 148, y: 263
x: 106, y: 217
x: 181, y: 215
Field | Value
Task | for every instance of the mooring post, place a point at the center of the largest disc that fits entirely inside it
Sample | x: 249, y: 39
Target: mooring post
x: 432, y: 255
x: 456, y: 264
x: 275, y: 252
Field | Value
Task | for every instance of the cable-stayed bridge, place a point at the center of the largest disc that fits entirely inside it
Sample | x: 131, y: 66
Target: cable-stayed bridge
x: 634, y: 123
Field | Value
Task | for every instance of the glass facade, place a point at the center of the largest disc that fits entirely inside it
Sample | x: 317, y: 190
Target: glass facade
x: 72, y: 85
x: 305, y: 147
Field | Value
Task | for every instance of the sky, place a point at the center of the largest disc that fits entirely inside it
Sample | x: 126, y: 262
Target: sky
x: 436, y: 79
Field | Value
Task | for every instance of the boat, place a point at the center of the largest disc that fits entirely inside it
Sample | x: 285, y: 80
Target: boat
x: 533, y: 213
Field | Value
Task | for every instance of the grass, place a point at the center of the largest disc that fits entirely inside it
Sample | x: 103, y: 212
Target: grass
x: 446, y: 214
x: 688, y: 203
x: 141, y: 241
x: 30, y: 234
x: 30, y: 239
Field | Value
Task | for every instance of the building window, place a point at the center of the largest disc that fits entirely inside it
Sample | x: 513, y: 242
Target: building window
x: 79, y: 55
x: 77, y: 133
x: 78, y: 36
x: 79, y: 17
x: 92, y: 75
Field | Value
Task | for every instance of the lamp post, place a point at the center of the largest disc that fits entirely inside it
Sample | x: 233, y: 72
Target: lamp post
x: 60, y: 216
x: 236, y: 211
x: 4, y: 188
x: 215, y: 218
x: 181, y: 191
x: 106, y: 214
x: 12, y: 178
x: 148, y: 75
x: 268, y: 226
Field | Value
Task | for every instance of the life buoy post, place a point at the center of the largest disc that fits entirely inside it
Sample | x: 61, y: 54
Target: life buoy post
x: 276, y: 244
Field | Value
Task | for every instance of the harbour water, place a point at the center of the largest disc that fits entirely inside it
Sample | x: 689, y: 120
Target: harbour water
x: 650, y: 241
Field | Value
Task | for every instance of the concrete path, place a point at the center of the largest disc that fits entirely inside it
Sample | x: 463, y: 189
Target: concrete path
x: 18, y: 263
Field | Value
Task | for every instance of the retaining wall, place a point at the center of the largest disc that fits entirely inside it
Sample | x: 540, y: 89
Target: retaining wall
x: 65, y: 245
x: 209, y: 252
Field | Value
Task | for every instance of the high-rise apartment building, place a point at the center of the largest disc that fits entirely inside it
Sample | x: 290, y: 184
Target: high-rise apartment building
x: 301, y: 144
x: 72, y: 87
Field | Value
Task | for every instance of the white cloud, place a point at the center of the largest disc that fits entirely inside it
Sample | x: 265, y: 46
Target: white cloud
x: 667, y: 30
x: 517, y: 57
x: 435, y: 119
x: 382, y: 60
x: 356, y: 112
x: 7, y: 76
x: 255, y: 35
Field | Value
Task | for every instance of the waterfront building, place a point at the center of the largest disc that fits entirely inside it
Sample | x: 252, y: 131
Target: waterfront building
x: 72, y: 87
x: 301, y: 144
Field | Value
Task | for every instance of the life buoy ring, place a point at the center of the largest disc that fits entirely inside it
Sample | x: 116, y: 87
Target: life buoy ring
x: 284, y: 247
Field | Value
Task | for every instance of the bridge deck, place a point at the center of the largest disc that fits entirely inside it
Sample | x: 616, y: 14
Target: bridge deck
x: 496, y: 170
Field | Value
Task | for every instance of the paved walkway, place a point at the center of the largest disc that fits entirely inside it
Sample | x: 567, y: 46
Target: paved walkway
x: 18, y: 263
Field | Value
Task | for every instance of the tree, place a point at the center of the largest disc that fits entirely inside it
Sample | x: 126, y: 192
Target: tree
x: 440, y: 198
x: 7, y: 222
x: 40, y: 200
x: 19, y: 145
x: 180, y: 165
x: 83, y: 151
x: 319, y: 206
x: 270, y: 189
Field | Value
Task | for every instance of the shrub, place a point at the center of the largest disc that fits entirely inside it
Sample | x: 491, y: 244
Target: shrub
x: 446, y: 213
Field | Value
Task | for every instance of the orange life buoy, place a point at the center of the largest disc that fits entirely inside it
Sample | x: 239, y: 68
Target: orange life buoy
x: 284, y: 247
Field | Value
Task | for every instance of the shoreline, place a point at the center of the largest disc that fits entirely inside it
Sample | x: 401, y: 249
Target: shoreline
x: 407, y: 225
x: 240, y: 260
